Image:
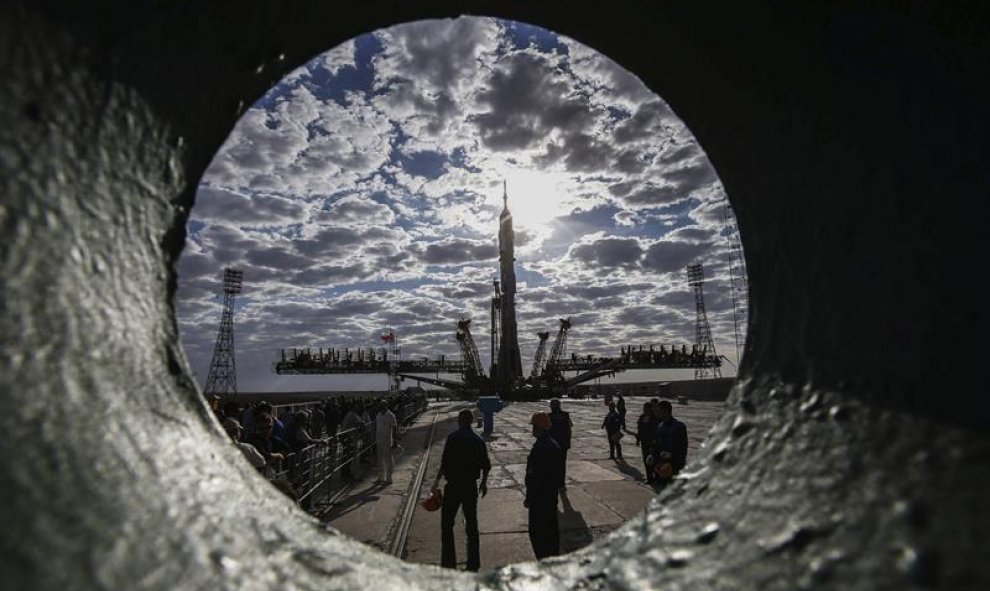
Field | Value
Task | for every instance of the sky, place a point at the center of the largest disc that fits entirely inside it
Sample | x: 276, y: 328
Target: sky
x: 362, y: 192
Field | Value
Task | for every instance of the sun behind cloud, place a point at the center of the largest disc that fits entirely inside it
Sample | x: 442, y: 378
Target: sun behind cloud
x: 535, y: 197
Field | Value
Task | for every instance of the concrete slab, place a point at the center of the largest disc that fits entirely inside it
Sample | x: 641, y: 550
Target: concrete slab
x: 502, y: 511
x: 578, y: 510
x: 499, y: 445
x: 625, y: 498
x: 423, y: 541
x: 518, y: 472
x: 579, y: 471
x: 367, y: 517
x: 498, y: 549
x: 501, y: 477
x: 508, y: 457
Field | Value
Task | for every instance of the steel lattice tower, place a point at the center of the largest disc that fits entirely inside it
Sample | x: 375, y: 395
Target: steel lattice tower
x: 738, y: 285
x: 223, y: 371
x: 703, y: 332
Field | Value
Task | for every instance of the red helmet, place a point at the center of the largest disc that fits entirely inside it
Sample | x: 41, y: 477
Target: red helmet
x: 664, y: 470
x: 434, y: 501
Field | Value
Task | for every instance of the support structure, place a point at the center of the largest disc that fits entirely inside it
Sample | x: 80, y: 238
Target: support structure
x: 541, y: 354
x: 703, y: 332
x: 223, y: 371
x: 496, y: 328
x: 469, y: 352
x: 738, y: 285
x: 392, y: 353
x: 558, y: 349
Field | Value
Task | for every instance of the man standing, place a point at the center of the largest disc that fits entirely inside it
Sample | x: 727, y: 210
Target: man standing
x: 544, y: 473
x: 560, y: 429
x: 234, y: 430
x: 465, y: 458
x: 272, y: 448
x: 646, y: 430
x: 385, y: 437
x: 670, y: 440
x: 613, y: 426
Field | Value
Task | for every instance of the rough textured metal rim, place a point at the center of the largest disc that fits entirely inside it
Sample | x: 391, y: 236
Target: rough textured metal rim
x: 834, y: 465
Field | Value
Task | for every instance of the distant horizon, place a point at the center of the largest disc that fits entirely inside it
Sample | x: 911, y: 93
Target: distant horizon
x: 290, y: 384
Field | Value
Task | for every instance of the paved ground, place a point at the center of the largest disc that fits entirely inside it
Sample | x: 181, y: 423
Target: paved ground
x: 601, y: 493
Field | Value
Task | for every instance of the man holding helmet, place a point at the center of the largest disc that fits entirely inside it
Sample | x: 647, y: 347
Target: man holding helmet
x: 465, y: 458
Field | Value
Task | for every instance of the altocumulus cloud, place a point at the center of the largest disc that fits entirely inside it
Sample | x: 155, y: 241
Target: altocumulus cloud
x: 364, y: 189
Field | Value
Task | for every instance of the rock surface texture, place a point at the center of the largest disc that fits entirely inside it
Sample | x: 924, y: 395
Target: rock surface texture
x: 853, y: 453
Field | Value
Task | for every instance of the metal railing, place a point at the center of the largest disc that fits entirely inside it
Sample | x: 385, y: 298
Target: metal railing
x: 319, y: 472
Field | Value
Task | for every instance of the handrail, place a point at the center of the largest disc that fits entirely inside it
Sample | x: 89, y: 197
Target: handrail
x: 312, y: 469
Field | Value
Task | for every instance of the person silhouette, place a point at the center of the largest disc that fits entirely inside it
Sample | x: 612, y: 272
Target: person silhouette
x: 544, y: 473
x: 560, y: 429
x: 465, y: 458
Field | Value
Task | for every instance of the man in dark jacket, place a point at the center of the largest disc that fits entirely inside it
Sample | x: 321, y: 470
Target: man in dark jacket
x: 670, y: 439
x: 646, y: 430
x: 544, y: 473
x: 560, y: 429
x: 613, y: 425
x: 465, y: 458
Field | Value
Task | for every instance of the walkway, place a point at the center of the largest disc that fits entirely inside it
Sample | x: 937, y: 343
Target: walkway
x: 601, y: 495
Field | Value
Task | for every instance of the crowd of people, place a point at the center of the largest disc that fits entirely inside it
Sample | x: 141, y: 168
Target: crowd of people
x: 277, y: 440
x: 465, y: 460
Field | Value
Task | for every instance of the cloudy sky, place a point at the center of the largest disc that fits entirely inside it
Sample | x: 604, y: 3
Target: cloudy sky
x: 363, y: 192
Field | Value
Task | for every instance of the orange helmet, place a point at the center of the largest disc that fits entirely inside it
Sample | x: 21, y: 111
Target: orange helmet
x: 434, y: 501
x: 541, y: 420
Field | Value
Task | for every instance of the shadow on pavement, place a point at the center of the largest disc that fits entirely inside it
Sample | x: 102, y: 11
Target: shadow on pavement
x: 574, y: 532
x: 629, y: 470
x: 354, y: 501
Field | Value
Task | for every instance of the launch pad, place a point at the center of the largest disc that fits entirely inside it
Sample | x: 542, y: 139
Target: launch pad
x: 505, y: 377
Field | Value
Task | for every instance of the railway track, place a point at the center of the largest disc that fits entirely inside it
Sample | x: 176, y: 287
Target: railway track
x: 397, y: 545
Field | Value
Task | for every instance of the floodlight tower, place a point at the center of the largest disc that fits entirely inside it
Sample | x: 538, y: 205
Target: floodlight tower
x: 223, y: 372
x: 703, y: 332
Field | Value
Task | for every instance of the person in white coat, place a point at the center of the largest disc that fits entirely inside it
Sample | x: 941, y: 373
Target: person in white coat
x: 385, y: 438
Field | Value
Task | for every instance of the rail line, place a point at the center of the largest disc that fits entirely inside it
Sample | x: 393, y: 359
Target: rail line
x: 401, y: 531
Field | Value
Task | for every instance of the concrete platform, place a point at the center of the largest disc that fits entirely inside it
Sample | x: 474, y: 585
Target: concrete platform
x: 601, y: 493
